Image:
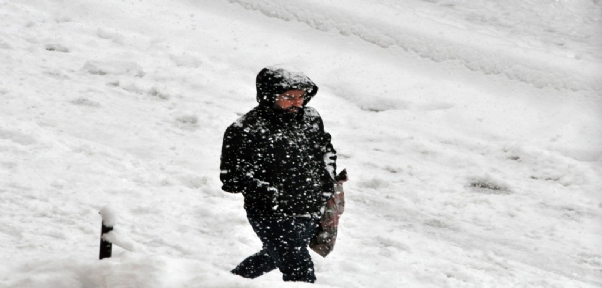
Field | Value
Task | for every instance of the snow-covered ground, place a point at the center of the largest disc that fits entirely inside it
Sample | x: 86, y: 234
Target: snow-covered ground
x: 471, y: 130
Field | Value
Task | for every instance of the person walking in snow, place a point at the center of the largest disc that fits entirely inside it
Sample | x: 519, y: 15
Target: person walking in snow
x: 282, y: 161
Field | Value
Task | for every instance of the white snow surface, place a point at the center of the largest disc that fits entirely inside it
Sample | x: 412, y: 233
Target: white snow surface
x: 471, y: 131
x: 117, y: 237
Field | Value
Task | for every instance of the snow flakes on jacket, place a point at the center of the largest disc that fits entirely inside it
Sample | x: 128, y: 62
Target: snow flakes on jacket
x: 280, y: 162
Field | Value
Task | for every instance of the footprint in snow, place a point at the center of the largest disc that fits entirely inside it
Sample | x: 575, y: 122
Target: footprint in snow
x: 17, y: 137
x: 57, y: 48
x: 85, y: 102
x: 187, y: 122
x: 114, y: 68
x: 487, y: 185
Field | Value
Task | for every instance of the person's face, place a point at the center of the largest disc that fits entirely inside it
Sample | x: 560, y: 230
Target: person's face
x: 290, y: 101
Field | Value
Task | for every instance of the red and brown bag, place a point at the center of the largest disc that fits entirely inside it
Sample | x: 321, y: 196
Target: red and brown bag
x: 326, y: 233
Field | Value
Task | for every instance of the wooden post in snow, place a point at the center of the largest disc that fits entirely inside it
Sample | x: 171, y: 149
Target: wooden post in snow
x: 108, y: 222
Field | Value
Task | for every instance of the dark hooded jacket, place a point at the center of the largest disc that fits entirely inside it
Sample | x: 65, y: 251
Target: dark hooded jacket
x: 282, y: 163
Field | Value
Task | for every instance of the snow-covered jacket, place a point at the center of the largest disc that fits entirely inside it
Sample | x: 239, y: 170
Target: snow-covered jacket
x: 283, y: 163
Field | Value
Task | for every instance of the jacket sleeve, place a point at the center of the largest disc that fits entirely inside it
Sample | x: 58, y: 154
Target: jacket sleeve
x: 236, y: 169
x: 329, y: 156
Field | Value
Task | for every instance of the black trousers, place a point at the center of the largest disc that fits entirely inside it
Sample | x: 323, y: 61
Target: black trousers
x: 285, y: 241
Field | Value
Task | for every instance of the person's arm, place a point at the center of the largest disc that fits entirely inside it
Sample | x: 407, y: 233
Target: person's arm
x: 329, y: 155
x: 237, y: 171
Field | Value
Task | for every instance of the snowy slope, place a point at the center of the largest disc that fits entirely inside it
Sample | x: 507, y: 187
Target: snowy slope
x: 471, y: 132
x: 472, y: 34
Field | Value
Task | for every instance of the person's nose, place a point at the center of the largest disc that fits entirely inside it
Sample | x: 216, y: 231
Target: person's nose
x: 298, y: 102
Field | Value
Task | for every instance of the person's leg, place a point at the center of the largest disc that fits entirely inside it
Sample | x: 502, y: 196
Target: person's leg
x: 286, y: 240
x: 301, y: 267
x: 255, y: 265
x: 258, y: 263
